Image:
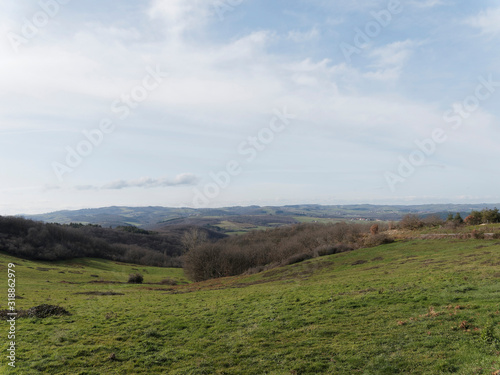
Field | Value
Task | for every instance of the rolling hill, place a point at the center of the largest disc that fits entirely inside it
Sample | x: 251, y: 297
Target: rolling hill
x: 412, y: 307
x: 242, y: 219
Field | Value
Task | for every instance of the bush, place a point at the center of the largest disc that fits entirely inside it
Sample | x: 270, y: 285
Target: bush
x: 477, y: 235
x: 411, y: 222
x: 324, y: 250
x: 433, y: 221
x: 377, y: 240
x: 136, y: 278
x: 296, y: 259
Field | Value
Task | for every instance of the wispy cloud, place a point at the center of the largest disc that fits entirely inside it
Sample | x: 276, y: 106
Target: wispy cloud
x: 488, y: 21
x: 184, y: 179
x: 148, y: 182
x: 390, y: 59
x: 303, y: 36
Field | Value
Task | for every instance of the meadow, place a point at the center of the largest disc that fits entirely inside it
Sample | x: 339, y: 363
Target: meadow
x: 411, y: 307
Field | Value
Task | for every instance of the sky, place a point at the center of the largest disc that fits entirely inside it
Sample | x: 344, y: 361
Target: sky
x: 211, y: 103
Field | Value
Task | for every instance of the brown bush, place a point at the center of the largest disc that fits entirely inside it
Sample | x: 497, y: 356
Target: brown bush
x: 324, y: 250
x: 377, y: 240
x: 296, y: 259
x: 411, y: 222
x: 477, y: 234
x: 136, y: 278
x: 433, y: 221
x: 374, y: 229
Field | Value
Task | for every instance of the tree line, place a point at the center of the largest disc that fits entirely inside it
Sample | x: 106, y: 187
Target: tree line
x: 40, y: 241
x: 260, y: 250
x: 485, y: 216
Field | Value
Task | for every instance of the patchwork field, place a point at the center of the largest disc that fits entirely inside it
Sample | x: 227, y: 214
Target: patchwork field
x: 414, y: 307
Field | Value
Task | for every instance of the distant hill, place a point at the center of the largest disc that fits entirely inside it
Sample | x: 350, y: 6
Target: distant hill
x: 241, y: 219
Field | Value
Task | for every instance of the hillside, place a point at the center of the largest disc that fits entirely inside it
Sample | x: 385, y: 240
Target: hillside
x: 411, y: 307
x: 41, y: 241
x: 242, y: 219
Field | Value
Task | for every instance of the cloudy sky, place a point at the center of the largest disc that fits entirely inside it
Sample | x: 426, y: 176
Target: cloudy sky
x: 239, y: 102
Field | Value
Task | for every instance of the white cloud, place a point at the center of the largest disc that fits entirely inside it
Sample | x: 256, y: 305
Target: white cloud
x: 302, y: 37
x: 488, y: 21
x: 390, y: 59
x: 180, y: 16
x: 184, y: 179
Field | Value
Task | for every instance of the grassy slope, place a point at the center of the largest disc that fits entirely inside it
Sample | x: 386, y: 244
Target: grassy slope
x: 333, y: 315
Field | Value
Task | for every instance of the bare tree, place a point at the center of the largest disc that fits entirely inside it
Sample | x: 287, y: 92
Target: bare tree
x: 192, y: 238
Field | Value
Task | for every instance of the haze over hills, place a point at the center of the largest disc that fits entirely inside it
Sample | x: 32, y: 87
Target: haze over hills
x: 245, y: 218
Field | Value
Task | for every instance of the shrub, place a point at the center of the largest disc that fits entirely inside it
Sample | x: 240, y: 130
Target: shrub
x: 377, y: 240
x: 411, y: 222
x: 324, y: 250
x: 136, y: 278
x: 477, y: 235
x: 433, y: 221
x: 374, y: 229
x: 458, y: 218
x: 451, y: 225
x: 296, y: 259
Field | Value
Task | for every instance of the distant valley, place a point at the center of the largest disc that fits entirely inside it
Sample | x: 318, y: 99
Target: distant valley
x: 235, y: 220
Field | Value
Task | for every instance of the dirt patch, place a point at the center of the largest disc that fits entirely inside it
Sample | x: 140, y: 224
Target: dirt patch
x: 41, y: 312
x: 358, y: 262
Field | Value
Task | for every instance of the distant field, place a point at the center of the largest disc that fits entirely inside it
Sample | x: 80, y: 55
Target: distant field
x: 415, y: 307
x: 307, y: 219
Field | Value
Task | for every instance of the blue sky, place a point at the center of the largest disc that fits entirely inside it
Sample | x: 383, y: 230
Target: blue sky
x: 220, y: 103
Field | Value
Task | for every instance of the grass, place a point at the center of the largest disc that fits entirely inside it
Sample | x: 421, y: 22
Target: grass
x: 393, y: 309
x: 485, y: 228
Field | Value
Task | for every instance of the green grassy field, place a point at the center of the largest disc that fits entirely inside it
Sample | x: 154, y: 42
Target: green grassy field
x: 416, y: 307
